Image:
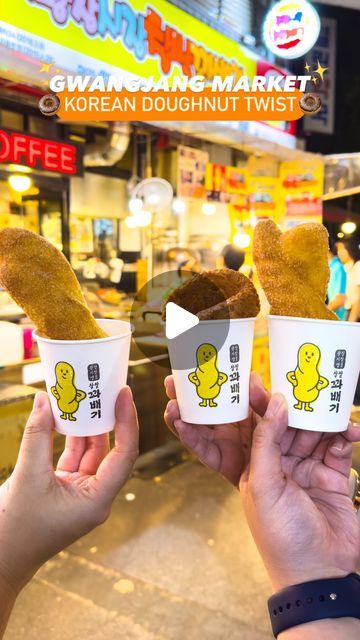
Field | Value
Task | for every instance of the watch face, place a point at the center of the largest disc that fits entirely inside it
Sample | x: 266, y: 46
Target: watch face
x: 291, y: 28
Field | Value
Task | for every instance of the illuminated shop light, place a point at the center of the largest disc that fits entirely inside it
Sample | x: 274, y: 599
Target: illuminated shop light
x: 208, y: 208
x: 135, y: 204
x: 178, y: 206
x: 153, y: 199
x: 130, y: 222
x: 348, y: 227
x: 19, y: 183
x: 140, y: 218
x: 242, y: 240
x: 19, y: 168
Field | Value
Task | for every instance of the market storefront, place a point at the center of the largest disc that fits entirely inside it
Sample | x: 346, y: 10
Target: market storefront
x: 224, y: 176
x: 34, y: 182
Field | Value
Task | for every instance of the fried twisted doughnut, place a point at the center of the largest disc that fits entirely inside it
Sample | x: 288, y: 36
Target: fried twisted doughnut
x: 293, y: 269
x: 39, y: 278
x: 216, y: 295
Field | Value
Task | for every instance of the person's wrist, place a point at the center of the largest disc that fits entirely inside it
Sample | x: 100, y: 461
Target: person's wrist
x: 8, y: 589
x: 331, y: 629
x: 281, y: 579
x: 12, y: 578
x: 309, y: 605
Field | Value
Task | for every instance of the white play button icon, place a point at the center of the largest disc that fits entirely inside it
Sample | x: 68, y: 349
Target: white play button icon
x: 178, y: 320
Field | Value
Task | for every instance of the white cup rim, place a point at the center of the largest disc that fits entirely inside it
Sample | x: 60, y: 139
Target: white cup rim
x: 221, y: 321
x: 342, y: 323
x: 233, y: 320
x: 41, y: 338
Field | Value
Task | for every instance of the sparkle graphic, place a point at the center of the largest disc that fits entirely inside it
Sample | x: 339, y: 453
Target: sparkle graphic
x: 321, y: 70
x: 307, y: 67
x: 314, y: 80
x: 45, y: 67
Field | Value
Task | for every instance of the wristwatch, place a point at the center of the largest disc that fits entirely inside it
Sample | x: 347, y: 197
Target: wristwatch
x: 316, y: 600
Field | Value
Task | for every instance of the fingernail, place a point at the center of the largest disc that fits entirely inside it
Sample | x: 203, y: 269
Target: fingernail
x: 129, y: 391
x: 178, y: 425
x: 39, y: 401
x: 356, y: 424
x: 338, y: 444
x: 256, y: 379
x: 275, y: 405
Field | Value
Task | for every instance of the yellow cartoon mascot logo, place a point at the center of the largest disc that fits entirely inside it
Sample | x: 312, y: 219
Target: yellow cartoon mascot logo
x: 67, y: 395
x: 306, y: 379
x: 206, y: 377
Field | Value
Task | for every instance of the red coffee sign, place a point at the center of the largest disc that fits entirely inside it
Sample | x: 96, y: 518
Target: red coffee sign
x: 39, y: 153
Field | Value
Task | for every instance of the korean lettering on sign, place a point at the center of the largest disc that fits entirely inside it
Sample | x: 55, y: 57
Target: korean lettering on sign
x: 94, y: 394
x: 336, y: 383
x: 234, y: 373
x: 145, y: 34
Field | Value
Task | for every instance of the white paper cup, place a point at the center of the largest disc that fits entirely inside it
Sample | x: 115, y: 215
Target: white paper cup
x: 214, y: 388
x: 315, y: 364
x: 84, y: 377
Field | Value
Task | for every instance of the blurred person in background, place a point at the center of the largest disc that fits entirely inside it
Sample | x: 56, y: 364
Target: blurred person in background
x: 336, y: 291
x: 231, y: 257
x: 348, y: 252
x: 185, y: 261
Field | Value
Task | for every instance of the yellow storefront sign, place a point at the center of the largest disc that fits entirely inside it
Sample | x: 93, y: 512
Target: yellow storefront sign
x: 301, y: 188
x: 142, y: 39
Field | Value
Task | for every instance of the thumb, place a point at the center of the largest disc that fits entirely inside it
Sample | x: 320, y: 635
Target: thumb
x: 265, y: 470
x: 115, y: 469
x: 37, y: 442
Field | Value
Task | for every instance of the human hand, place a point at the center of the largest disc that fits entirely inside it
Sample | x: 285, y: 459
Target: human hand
x: 42, y: 510
x: 223, y: 447
x: 296, y: 498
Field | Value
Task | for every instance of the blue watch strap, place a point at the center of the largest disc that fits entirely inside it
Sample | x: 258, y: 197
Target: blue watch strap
x: 316, y: 600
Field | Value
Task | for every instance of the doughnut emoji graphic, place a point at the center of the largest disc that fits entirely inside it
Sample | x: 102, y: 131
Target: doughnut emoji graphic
x: 206, y: 377
x: 310, y: 104
x: 306, y: 379
x: 67, y: 395
x: 49, y: 104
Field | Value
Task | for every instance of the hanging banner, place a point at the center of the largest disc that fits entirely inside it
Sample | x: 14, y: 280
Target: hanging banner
x: 324, y: 53
x: 191, y: 169
x: 227, y: 184
x: 301, y: 188
x: 264, y: 197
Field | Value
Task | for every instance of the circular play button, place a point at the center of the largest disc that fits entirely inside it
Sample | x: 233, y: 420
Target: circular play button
x: 178, y: 320
x: 166, y: 318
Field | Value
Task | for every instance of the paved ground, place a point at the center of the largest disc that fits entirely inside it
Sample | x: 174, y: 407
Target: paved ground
x: 175, y: 560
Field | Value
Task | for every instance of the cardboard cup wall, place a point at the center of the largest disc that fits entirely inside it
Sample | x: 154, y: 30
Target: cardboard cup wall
x: 84, y: 377
x: 315, y: 364
x: 214, y: 388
